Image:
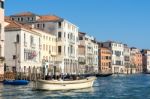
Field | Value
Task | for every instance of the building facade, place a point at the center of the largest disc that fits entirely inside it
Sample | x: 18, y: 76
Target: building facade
x: 2, y: 37
x: 105, y: 60
x: 146, y: 60
x: 48, y: 48
x: 117, y: 55
x: 136, y: 59
x: 127, y: 64
x: 88, y: 53
x: 66, y: 37
x: 25, y: 50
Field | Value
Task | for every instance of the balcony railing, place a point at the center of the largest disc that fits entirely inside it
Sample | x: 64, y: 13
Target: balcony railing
x: 72, y: 41
x: 59, y: 39
x: 33, y: 45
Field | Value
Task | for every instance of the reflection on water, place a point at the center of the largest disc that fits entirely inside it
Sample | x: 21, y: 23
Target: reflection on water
x: 122, y: 87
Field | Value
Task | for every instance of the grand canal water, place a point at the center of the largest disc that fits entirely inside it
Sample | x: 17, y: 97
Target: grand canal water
x: 113, y: 87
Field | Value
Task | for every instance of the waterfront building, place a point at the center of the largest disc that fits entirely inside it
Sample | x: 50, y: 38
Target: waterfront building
x: 81, y: 53
x: 66, y: 37
x: 136, y: 59
x: 127, y: 64
x: 48, y: 49
x: 117, y: 55
x: 104, y: 60
x: 146, y: 60
x: 22, y: 47
x: 88, y: 53
x: 2, y: 37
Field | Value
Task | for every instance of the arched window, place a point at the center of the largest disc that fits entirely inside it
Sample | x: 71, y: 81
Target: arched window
x: 17, y: 38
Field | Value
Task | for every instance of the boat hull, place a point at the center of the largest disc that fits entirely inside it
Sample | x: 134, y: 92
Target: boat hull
x: 64, y: 85
x: 103, y: 75
x: 15, y: 82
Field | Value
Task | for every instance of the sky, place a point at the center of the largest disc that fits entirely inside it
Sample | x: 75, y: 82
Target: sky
x: 126, y: 21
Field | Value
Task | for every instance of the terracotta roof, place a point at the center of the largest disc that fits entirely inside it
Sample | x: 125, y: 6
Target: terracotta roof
x: 49, y: 18
x: 24, y: 14
x: 16, y: 25
x: 7, y: 19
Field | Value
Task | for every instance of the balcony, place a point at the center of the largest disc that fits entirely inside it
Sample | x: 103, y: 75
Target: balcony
x: 72, y: 41
x: 59, y: 39
x: 33, y: 45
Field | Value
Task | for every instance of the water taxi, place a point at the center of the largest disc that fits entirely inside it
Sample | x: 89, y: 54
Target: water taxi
x: 64, y: 84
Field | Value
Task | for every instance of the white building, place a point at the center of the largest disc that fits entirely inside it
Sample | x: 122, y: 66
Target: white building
x: 127, y: 59
x: 2, y: 37
x: 66, y: 36
x: 89, y: 47
x: 22, y: 47
x: 48, y: 49
x: 117, y: 55
x: 146, y: 60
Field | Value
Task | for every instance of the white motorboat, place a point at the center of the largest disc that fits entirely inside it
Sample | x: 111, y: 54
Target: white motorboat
x: 63, y: 84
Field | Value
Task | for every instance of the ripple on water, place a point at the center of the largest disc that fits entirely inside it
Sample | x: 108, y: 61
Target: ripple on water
x: 120, y: 87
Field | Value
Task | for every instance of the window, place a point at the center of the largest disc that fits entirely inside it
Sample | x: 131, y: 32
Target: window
x: 31, y: 40
x: 71, y: 49
x: 64, y: 50
x: 64, y: 34
x: 59, y: 49
x: 59, y: 24
x: 2, y: 4
x: 68, y: 36
x: 46, y: 47
x: 109, y: 44
x: 14, y: 56
x: 68, y: 50
x: 80, y: 38
x: 71, y: 36
x: 43, y: 25
x: 39, y: 55
x: 24, y: 54
x: 18, y: 19
x: 118, y: 53
x: 21, y: 19
x: 59, y: 34
x: 43, y: 46
x: 49, y: 49
x: 24, y: 38
x: 118, y: 62
x: 38, y: 25
x: 17, y: 38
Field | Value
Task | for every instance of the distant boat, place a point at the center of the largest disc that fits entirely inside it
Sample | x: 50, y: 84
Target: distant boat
x: 16, y: 82
x: 63, y: 84
x: 103, y: 74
